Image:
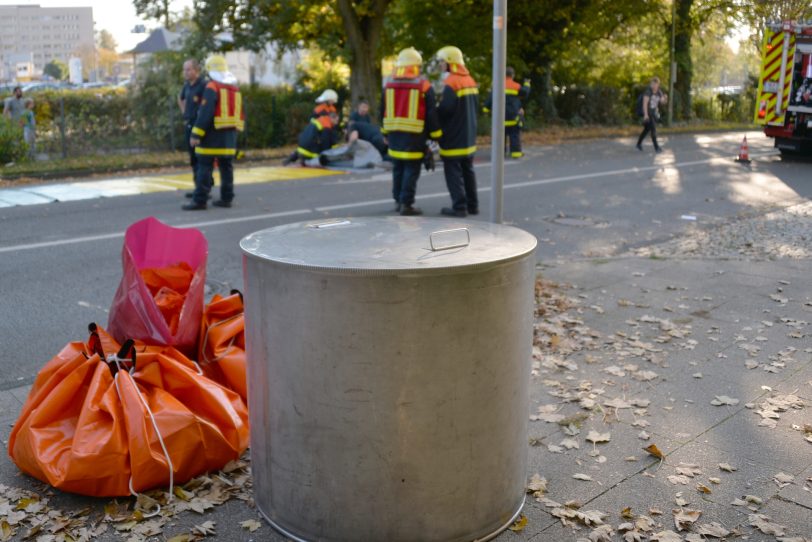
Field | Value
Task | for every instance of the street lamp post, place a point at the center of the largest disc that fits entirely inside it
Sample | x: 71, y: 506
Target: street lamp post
x: 672, y: 76
x: 498, y: 109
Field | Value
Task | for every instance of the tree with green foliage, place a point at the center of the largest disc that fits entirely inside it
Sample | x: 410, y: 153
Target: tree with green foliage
x: 56, y: 69
x: 346, y: 30
x: 105, y: 40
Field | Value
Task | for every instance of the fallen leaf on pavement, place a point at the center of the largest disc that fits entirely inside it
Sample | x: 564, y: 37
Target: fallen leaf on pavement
x: 653, y: 450
x: 602, y: 534
x: 595, y: 437
x: 251, y: 525
x: 712, y: 529
x: 684, y: 518
x: 765, y: 525
x: 727, y: 468
x: 724, y: 400
x: 666, y: 536
x: 584, y: 477
x: 536, y: 484
x: 518, y: 525
x: 782, y: 479
x: 205, y: 529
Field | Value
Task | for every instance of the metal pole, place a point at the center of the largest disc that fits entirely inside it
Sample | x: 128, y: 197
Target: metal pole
x: 498, y: 110
x: 171, y: 126
x: 672, y: 76
x: 62, y: 125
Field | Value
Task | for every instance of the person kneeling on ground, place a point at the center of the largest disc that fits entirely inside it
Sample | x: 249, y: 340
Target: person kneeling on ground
x: 366, y: 131
x: 318, y: 136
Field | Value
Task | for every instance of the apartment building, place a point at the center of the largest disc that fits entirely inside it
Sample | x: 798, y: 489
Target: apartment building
x: 38, y: 35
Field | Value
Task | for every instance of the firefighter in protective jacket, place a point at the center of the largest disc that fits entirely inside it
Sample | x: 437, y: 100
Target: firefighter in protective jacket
x: 457, y: 111
x: 325, y: 104
x: 320, y: 134
x: 214, y: 134
x: 514, y: 113
x: 409, y: 113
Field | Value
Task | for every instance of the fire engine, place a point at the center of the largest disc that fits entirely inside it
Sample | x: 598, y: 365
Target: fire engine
x: 784, y: 100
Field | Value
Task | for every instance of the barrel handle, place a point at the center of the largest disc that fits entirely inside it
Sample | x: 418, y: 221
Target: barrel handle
x: 435, y: 248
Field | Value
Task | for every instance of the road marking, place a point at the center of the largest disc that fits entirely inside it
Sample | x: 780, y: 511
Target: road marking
x: 326, y: 208
x: 614, y: 172
x: 91, y: 238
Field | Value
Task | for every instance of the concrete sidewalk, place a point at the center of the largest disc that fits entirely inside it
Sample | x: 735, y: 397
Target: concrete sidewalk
x: 700, y: 346
x: 708, y: 360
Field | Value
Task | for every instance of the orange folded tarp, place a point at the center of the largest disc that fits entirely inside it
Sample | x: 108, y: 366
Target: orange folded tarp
x: 84, y: 431
x: 222, y: 342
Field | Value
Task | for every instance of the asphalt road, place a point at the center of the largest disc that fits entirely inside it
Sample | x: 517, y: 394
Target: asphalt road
x: 60, y: 262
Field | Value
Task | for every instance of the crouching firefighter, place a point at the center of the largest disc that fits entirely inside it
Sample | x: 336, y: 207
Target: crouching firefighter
x: 214, y: 134
x: 409, y: 113
x: 320, y: 134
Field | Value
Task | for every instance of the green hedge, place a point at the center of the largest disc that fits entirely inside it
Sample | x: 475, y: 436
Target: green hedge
x: 116, y: 120
x: 12, y: 146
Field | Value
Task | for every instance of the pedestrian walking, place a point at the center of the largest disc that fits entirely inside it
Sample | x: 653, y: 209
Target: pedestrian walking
x: 514, y: 112
x: 214, y: 134
x: 189, y: 101
x: 409, y: 113
x: 648, y: 104
x: 29, y: 127
x: 14, y: 106
x: 457, y: 112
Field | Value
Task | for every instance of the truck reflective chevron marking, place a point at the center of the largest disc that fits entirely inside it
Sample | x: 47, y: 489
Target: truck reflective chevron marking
x: 784, y: 100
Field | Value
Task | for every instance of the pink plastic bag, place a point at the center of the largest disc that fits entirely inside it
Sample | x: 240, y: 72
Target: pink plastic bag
x: 134, y: 314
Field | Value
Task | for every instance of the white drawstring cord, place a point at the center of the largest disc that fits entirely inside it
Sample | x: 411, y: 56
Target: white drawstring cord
x: 206, y: 340
x: 115, y: 359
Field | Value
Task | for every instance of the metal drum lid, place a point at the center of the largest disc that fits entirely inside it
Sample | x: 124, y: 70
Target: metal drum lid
x: 383, y: 245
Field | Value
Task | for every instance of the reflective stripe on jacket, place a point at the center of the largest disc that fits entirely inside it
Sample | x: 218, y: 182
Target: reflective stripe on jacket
x: 457, y: 111
x: 409, y: 113
x: 219, y: 118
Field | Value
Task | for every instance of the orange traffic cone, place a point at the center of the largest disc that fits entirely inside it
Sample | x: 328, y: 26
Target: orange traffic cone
x: 744, y: 152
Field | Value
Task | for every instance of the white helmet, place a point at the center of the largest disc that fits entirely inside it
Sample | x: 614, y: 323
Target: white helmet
x: 328, y: 95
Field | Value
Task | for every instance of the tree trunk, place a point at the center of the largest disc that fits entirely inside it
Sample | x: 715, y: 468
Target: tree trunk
x: 363, y: 39
x: 682, y: 56
x: 546, y: 100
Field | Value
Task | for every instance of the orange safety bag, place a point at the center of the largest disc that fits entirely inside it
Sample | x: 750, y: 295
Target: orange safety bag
x: 159, y: 300
x: 86, y: 431
x: 222, y: 342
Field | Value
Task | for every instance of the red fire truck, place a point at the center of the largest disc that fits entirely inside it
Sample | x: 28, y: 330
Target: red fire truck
x: 784, y: 100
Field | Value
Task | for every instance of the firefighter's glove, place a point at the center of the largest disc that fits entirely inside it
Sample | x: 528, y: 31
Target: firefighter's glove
x: 428, y: 160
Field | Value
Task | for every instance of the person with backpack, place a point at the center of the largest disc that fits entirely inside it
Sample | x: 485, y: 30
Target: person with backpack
x: 648, y: 109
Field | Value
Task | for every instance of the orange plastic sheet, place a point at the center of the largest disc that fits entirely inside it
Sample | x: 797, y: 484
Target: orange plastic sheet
x: 222, y: 342
x: 168, y: 286
x: 84, y: 431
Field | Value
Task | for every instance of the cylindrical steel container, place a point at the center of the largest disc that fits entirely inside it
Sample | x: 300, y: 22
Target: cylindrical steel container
x: 388, y: 368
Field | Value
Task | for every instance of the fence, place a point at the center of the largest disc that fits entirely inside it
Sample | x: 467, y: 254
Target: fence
x: 92, y: 121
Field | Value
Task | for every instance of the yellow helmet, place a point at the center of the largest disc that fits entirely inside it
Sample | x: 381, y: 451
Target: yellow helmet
x: 451, y: 54
x: 409, y: 57
x: 216, y: 63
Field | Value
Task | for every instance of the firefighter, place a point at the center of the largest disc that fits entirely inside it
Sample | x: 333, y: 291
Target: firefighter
x: 326, y: 104
x: 409, y: 113
x: 514, y: 112
x: 459, y: 103
x: 320, y: 134
x: 214, y: 134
